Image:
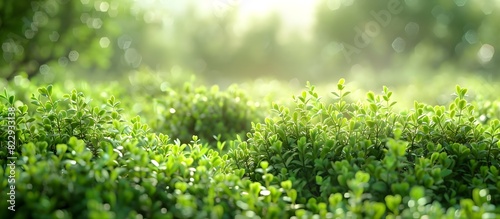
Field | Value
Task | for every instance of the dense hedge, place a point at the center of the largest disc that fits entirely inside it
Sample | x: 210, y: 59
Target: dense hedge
x: 445, y: 151
x: 181, y: 109
x: 209, y: 113
x: 182, y: 105
x: 77, y: 158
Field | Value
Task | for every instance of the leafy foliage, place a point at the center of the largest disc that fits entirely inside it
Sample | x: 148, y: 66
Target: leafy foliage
x: 42, y: 36
x: 321, y: 147
x: 209, y: 113
x: 77, y: 158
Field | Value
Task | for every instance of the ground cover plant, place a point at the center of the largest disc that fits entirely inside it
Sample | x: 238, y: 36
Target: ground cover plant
x: 182, y: 106
x: 205, y: 112
x: 321, y: 146
x: 81, y: 155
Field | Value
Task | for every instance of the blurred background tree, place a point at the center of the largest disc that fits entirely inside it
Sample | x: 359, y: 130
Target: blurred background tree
x: 86, y: 37
x: 221, y: 42
x: 460, y: 32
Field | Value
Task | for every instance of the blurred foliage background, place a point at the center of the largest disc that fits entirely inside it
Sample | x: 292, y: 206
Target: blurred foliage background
x: 370, y: 43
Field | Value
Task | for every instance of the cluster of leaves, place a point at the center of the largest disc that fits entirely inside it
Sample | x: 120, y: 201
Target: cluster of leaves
x: 83, y: 159
x: 78, y: 161
x: 56, y: 120
x: 118, y: 167
x: 209, y: 113
x: 321, y: 147
x: 170, y: 103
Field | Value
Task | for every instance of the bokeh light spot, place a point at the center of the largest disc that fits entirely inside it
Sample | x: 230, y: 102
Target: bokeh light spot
x: 436, y: 11
x: 10, y: 48
x: 104, y: 42
x: 124, y: 42
x: 471, y: 37
x: 483, y: 192
x: 132, y: 57
x: 54, y: 36
x: 104, y: 6
x: 486, y: 53
x: 52, y: 7
x: 40, y: 18
x: 44, y: 69
x: 96, y: 23
x: 34, y: 27
x: 73, y: 55
x: 113, y: 12
x: 164, y: 86
x: 399, y: 45
x: 84, y: 18
x: 7, y: 56
x: 29, y: 34
x: 412, y: 28
x: 63, y: 61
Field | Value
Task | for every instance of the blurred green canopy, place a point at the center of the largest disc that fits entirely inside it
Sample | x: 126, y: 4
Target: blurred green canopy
x: 107, y: 38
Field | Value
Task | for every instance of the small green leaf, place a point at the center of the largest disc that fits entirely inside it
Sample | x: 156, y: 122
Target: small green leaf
x: 346, y: 93
x: 463, y: 92
x: 417, y: 193
x: 319, y: 180
x: 371, y: 96
x: 335, y: 199
x: 393, y: 203
x: 292, y: 193
x: 445, y: 172
x: 287, y: 185
x: 255, y: 188
x: 264, y: 164
x: 341, y: 81
x: 11, y: 100
x: 340, y: 84
x: 49, y: 89
x: 61, y: 148
x: 462, y: 104
x: 268, y: 177
x: 43, y: 91
x: 362, y: 176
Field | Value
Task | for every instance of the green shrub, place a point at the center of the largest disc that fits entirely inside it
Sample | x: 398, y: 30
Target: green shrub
x: 56, y: 120
x: 321, y: 147
x: 170, y: 103
x: 117, y: 170
x: 76, y: 158
x: 208, y: 113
